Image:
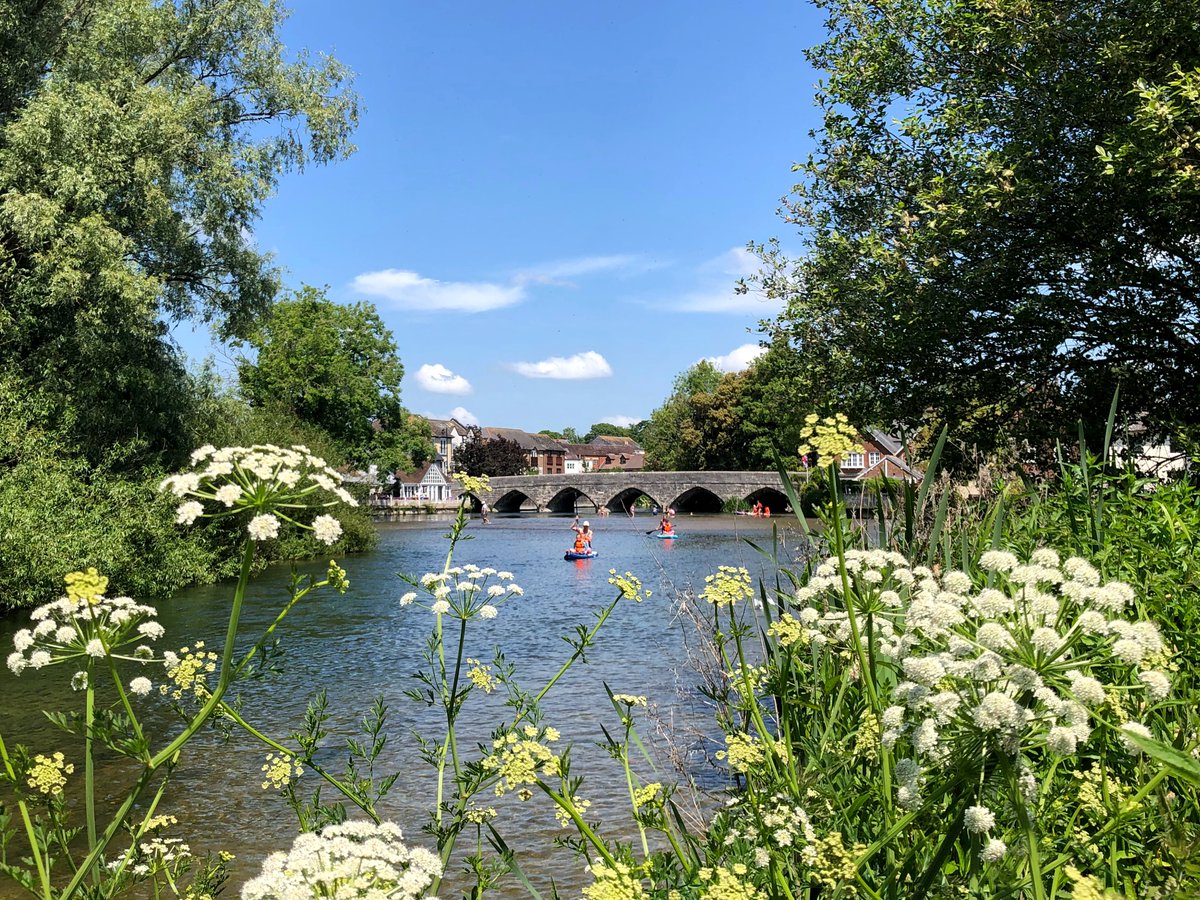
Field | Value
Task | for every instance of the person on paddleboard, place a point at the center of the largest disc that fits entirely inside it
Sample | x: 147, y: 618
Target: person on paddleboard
x: 583, y: 536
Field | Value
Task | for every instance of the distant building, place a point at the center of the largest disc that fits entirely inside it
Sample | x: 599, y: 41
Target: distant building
x: 882, y: 456
x: 543, y: 453
x: 448, y: 434
x: 426, y: 484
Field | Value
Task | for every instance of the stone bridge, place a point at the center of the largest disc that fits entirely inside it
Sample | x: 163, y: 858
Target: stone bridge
x: 617, y: 491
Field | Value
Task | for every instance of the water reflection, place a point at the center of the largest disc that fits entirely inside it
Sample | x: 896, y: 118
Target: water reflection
x: 363, y: 644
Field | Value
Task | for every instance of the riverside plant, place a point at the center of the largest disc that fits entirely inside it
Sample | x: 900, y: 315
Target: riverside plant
x: 107, y: 644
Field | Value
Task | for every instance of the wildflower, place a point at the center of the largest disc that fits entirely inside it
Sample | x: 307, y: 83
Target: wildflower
x: 408, y: 598
x: 228, y: 494
x: 49, y: 773
x: 617, y: 882
x: 1134, y: 728
x: 979, y: 819
x: 520, y: 761
x: 830, y: 438
x: 481, y: 676
x: 95, y: 648
x: 189, y: 512
x: 441, y: 607
x: 263, y: 527
x: 140, y: 686
x: 630, y: 699
x: 487, y: 611
x: 188, y: 672
x: 353, y: 859
x: 729, y: 585
x: 280, y: 770
x: 993, y: 850
x: 1158, y: 685
x: 326, y: 529
x: 628, y: 584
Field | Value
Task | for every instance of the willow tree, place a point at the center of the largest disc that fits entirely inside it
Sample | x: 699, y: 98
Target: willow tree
x: 1001, y: 219
x: 138, y: 142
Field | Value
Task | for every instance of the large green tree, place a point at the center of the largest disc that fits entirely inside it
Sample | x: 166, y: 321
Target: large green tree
x: 1001, y: 216
x: 138, y: 142
x: 335, y: 366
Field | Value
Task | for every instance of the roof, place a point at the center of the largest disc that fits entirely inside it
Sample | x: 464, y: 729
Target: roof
x: 446, y: 427
x: 525, y: 440
x: 888, y: 443
x: 613, y: 440
x: 618, y: 460
x: 875, y: 469
x: 417, y: 475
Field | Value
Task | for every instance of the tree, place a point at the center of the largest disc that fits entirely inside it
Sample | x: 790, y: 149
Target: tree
x: 138, y: 141
x: 335, y: 367
x: 671, y: 440
x: 497, y: 456
x: 1000, y: 219
x: 605, y: 429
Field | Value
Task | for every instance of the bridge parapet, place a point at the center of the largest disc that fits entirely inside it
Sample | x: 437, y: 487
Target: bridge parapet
x: 686, y: 491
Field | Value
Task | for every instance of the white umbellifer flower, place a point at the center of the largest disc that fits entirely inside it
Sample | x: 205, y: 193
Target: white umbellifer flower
x: 1061, y: 741
x: 993, y: 850
x: 516, y: 591
x: 994, y: 636
x: 17, y: 662
x: 1088, y: 690
x: 263, y: 527
x: 496, y: 590
x: 189, y: 512
x: 998, y: 561
x: 1134, y: 728
x: 353, y: 859
x: 996, y: 711
x: 326, y: 529
x: 95, y: 647
x: 152, y: 630
x: 23, y: 639
x: 440, y: 607
x: 487, y: 611
x: 408, y: 598
x: 924, y: 670
x: 1158, y: 685
x: 39, y: 659
x: 893, y: 717
x: 1129, y: 651
x: 140, y: 686
x: 1047, y: 640
x: 229, y: 494
x: 1082, y: 571
x: 979, y: 819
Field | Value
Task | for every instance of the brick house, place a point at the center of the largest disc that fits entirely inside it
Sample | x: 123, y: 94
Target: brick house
x: 882, y: 456
x: 543, y: 453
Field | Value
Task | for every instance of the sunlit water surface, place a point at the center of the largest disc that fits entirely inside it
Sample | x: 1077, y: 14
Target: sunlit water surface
x: 363, y: 644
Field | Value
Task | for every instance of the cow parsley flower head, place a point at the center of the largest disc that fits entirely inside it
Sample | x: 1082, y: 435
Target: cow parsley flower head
x: 85, y: 624
x: 353, y: 859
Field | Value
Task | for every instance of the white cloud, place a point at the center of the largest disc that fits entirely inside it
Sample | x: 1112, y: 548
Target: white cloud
x: 408, y: 290
x: 440, y: 380
x: 623, y: 421
x: 737, y: 359
x: 716, y: 291
x: 582, y: 365
x: 557, y: 272
x: 463, y: 415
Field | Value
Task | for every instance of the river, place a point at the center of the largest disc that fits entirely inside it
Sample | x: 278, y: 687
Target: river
x: 363, y: 644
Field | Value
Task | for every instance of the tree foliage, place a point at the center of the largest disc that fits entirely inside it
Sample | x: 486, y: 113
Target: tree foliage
x: 480, y: 455
x: 138, y: 141
x: 1001, y: 215
x: 335, y: 367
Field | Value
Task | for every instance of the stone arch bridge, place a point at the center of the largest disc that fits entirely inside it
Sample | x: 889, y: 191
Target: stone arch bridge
x: 617, y: 491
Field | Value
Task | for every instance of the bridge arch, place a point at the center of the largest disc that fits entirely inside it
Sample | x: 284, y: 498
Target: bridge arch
x: 698, y: 499
x: 626, y: 497
x: 514, y: 501
x: 775, y: 499
x: 568, y: 500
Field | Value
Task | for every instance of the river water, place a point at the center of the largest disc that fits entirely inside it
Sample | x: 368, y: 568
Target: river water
x: 363, y: 644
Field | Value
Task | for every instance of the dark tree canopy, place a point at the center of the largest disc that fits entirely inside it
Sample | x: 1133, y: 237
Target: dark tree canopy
x: 1002, y: 216
x: 480, y: 455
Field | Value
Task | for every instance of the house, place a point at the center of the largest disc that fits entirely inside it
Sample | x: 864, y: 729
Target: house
x: 573, y: 463
x: 882, y: 456
x: 543, y: 453
x: 447, y: 435
x: 426, y: 484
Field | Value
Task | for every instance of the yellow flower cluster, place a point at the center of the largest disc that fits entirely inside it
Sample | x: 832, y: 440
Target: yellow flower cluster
x: 520, y: 760
x: 49, y: 773
x: 727, y: 884
x: 279, y: 771
x: 564, y: 817
x: 830, y: 438
x: 478, y: 815
x: 788, y: 630
x: 472, y: 484
x: 729, y: 585
x: 866, y: 740
x: 629, y: 585
x: 630, y: 699
x: 481, y: 676
x: 834, y: 865
x: 743, y: 752
x: 648, y: 794
x: 189, y: 671
x: 616, y: 882
x: 86, y: 585
x: 337, y: 578
x: 1088, y: 887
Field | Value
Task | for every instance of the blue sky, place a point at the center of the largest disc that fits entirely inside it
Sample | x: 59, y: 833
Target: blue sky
x: 550, y: 201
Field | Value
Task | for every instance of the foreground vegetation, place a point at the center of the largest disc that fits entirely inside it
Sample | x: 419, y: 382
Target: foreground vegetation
x: 997, y: 698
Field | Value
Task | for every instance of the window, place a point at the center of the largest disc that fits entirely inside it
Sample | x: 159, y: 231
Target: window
x: 853, y: 461
x: 873, y: 458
